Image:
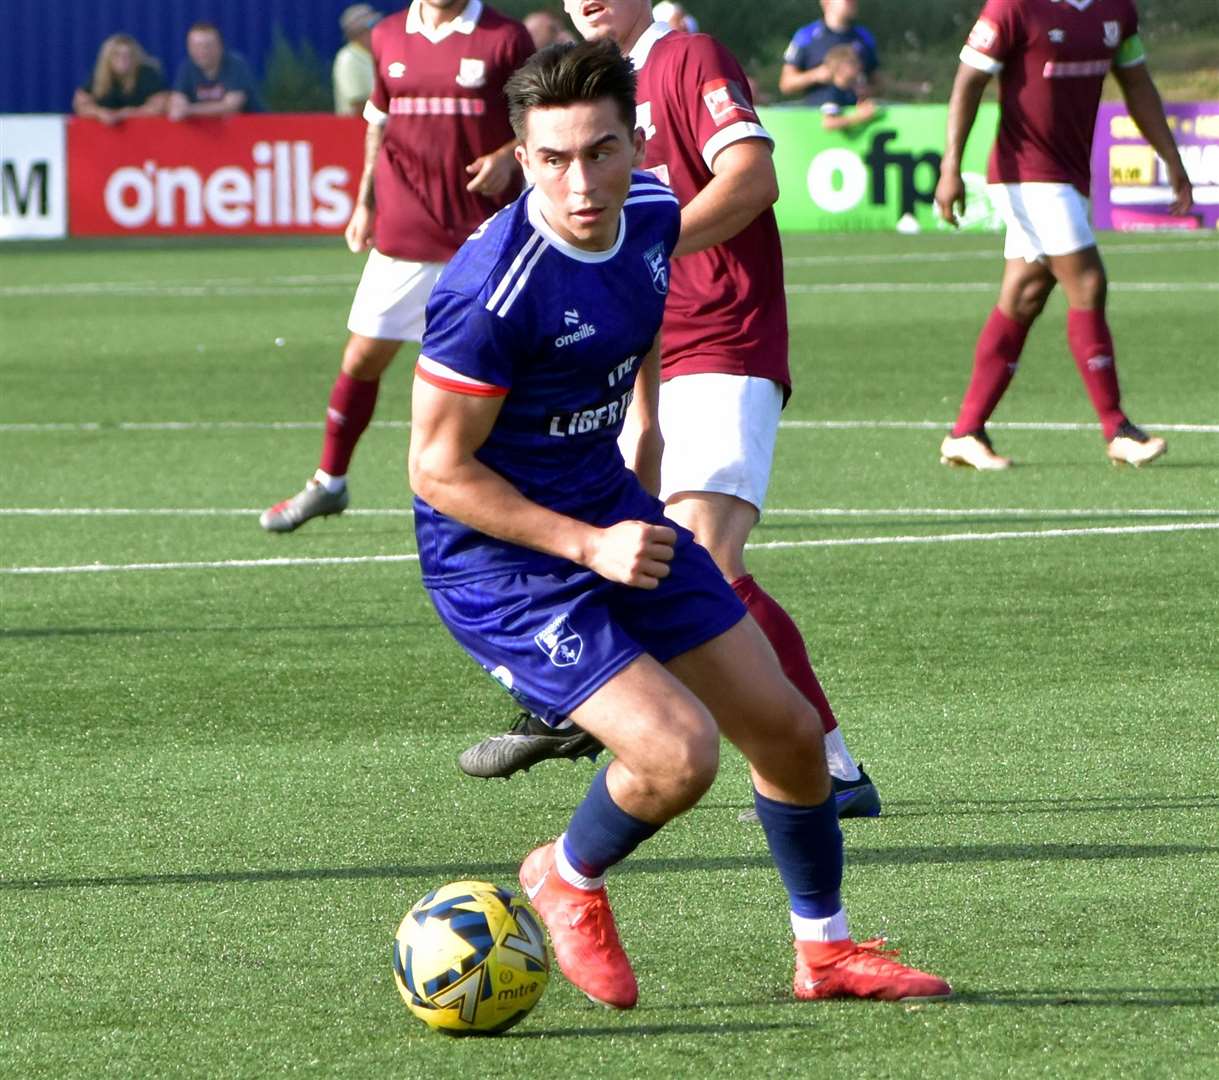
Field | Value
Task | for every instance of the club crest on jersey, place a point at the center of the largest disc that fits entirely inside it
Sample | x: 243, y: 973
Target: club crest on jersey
x: 725, y: 101
x: 396, y: 70
x: 1058, y: 36
x: 560, y: 642
x: 472, y: 74
x: 1113, y: 33
x: 658, y: 267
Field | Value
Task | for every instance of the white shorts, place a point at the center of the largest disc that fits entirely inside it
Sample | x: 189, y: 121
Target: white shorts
x: 1042, y: 219
x: 391, y: 299
x: 719, y: 433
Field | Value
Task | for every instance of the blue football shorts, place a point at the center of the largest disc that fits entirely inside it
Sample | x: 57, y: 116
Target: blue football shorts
x: 553, y: 640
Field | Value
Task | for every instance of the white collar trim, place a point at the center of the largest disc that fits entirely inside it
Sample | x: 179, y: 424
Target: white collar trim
x: 643, y: 47
x: 465, y: 23
x: 566, y: 247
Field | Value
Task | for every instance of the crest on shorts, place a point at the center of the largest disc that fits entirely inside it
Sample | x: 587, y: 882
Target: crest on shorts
x: 1113, y: 33
x: 472, y: 74
x: 658, y: 267
x: 560, y: 642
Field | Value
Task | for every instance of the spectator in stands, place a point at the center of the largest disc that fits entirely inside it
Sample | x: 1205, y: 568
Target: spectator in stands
x: 804, y: 67
x: 676, y: 16
x: 353, y: 67
x: 546, y: 28
x: 125, y: 82
x: 845, y: 108
x: 213, y: 80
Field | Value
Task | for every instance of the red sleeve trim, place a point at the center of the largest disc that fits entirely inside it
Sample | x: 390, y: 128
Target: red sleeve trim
x: 455, y: 387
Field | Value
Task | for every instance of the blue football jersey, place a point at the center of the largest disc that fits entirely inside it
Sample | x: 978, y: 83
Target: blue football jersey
x: 561, y: 333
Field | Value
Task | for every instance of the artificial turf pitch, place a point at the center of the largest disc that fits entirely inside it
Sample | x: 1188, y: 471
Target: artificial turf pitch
x: 227, y: 765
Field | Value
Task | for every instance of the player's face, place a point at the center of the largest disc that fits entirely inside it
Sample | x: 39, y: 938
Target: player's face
x: 620, y: 20
x: 580, y: 158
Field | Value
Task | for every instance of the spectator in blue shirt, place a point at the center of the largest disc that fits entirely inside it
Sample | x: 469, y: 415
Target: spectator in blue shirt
x: 212, y: 81
x: 804, y: 68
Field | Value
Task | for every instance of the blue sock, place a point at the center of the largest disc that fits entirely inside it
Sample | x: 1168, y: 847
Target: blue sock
x: 806, y: 844
x: 601, y: 833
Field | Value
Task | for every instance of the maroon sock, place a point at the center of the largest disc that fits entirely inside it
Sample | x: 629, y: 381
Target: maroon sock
x: 1092, y: 346
x: 785, y: 639
x: 351, y: 406
x: 995, y: 359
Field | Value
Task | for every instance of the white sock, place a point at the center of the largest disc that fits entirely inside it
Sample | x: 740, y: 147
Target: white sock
x: 838, y: 757
x: 834, y: 928
x: 569, y: 873
x: 333, y: 484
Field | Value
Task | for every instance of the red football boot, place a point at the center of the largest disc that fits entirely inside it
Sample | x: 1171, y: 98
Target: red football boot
x: 837, y: 969
x: 582, y: 931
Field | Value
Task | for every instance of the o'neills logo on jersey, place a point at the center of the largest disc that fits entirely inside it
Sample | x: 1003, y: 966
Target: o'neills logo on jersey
x: 581, y: 333
x: 282, y: 189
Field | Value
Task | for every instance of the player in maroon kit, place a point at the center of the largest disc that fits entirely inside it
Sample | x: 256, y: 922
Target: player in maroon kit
x: 1051, y: 59
x: 438, y: 161
x: 724, y: 342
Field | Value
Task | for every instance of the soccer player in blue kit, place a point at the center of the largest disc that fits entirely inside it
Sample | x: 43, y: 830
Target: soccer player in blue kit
x: 552, y: 563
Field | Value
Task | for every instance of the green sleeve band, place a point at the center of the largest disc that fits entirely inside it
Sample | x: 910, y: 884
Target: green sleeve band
x: 1130, y: 52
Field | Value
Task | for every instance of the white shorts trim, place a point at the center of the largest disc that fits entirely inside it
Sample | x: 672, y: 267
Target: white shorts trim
x: 1042, y: 219
x: 391, y: 299
x: 719, y: 433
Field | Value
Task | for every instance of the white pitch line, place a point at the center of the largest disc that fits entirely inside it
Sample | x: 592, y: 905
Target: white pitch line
x: 951, y: 538
x: 989, y: 253
x: 868, y: 287
x: 856, y: 541
x: 404, y: 425
x: 812, y: 511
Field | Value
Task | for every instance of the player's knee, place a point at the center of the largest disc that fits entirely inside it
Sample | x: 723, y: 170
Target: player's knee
x: 364, y: 359
x: 689, y: 765
x: 1031, y: 299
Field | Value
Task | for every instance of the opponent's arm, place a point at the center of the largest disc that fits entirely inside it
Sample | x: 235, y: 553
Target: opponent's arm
x: 744, y: 185
x: 1147, y: 111
x: 967, y: 91
x: 359, y: 231
x: 446, y: 431
x: 493, y: 172
x: 641, y: 434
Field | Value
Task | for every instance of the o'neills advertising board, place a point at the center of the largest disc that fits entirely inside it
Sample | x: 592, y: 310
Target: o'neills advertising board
x: 241, y: 174
x: 1130, y: 188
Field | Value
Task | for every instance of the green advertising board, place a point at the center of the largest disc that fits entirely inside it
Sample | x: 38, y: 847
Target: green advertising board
x: 871, y: 177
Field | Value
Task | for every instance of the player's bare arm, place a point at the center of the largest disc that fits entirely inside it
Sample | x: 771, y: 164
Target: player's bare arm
x: 493, y: 172
x: 1147, y: 110
x: 794, y: 81
x: 744, y: 185
x: 359, y: 231
x: 447, y: 430
x: 641, y: 431
x: 232, y: 102
x: 967, y: 91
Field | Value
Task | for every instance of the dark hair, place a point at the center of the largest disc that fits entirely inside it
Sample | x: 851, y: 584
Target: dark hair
x: 565, y: 74
x: 205, y: 27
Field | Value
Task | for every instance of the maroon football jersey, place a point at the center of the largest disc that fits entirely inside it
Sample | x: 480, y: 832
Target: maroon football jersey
x: 1051, y: 57
x: 727, y: 312
x: 441, y: 97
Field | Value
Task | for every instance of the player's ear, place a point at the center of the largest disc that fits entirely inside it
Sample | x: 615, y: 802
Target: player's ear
x: 641, y: 145
x: 522, y: 157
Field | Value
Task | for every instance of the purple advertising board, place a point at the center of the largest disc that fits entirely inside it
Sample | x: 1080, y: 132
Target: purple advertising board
x: 1129, y: 182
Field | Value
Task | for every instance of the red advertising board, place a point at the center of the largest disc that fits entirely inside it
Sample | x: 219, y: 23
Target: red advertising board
x: 242, y: 174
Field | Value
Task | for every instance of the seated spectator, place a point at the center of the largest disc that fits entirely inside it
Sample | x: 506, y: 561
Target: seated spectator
x: 546, y: 28
x: 804, y: 69
x: 353, y: 65
x: 125, y: 82
x: 676, y: 16
x: 212, y: 81
x: 845, y: 108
